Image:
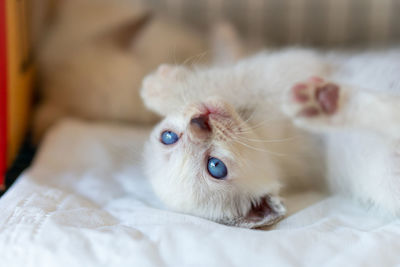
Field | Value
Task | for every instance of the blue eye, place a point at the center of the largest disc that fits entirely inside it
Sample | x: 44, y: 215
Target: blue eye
x: 217, y: 168
x: 169, y: 138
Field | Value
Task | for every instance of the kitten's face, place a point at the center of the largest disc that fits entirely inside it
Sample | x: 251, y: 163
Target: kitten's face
x: 201, y: 161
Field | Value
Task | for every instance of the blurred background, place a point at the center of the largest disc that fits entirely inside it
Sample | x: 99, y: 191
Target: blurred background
x: 27, y: 27
x: 309, y: 22
x: 276, y: 22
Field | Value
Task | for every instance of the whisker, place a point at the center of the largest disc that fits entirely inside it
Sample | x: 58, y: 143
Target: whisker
x: 200, y: 57
x: 194, y: 57
x: 259, y: 149
x: 258, y: 125
x: 250, y: 117
x: 267, y: 140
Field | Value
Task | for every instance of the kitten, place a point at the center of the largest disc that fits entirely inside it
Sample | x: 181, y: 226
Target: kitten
x: 234, y: 137
x: 95, y: 56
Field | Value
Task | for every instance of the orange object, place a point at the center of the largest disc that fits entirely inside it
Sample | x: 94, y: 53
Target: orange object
x: 3, y: 94
x: 16, y: 75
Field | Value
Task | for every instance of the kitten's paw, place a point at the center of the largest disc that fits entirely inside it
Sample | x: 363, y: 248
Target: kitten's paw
x: 158, y: 84
x: 315, y: 97
x: 159, y: 88
x: 313, y: 102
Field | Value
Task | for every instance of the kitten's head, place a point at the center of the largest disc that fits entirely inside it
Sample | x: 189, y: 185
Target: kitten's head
x: 201, y: 160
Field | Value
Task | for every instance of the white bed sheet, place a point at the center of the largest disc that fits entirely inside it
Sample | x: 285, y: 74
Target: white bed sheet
x: 85, y: 202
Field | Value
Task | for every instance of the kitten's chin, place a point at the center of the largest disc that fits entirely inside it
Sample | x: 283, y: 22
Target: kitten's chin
x: 265, y: 212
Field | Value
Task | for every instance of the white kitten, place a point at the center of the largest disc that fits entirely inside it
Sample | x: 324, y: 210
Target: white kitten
x: 233, y: 136
x: 95, y: 56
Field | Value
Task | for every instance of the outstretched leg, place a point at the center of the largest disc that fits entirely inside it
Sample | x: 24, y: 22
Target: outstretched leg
x: 366, y: 165
x: 318, y: 105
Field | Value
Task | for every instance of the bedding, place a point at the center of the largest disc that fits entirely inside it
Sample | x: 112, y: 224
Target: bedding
x: 85, y: 202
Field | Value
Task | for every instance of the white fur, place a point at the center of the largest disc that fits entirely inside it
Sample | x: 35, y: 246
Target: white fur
x: 357, y: 149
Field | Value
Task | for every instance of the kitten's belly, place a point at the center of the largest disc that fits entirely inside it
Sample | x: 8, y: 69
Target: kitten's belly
x: 358, y: 162
x: 300, y: 157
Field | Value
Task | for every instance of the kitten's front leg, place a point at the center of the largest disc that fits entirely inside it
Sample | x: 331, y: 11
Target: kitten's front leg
x: 315, y: 104
x: 161, y: 91
x: 318, y: 105
x: 365, y: 165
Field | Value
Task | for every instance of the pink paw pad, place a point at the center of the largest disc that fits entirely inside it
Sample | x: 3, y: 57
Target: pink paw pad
x: 316, y: 96
x: 300, y: 92
x: 328, y: 96
x: 309, y: 112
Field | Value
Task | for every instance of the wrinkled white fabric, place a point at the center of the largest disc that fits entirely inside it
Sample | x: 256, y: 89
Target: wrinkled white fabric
x: 85, y: 202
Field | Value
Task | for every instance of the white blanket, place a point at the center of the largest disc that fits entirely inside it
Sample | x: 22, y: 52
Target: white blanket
x: 85, y: 202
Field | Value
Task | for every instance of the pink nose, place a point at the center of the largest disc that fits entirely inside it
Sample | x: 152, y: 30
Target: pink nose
x: 199, y: 126
x: 201, y: 122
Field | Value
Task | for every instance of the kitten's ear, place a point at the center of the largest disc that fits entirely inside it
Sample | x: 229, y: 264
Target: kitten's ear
x: 123, y: 35
x: 267, y: 211
x: 227, y: 48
